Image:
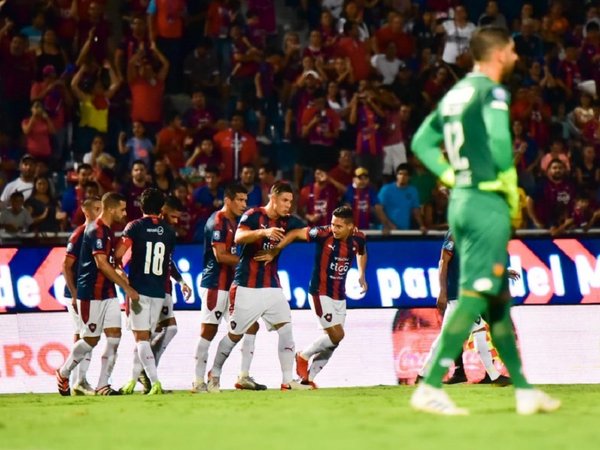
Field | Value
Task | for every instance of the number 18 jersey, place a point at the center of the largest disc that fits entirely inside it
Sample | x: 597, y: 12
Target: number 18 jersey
x: 152, y: 241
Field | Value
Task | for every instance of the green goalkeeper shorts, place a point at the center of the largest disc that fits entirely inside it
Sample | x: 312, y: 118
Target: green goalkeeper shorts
x: 480, y: 223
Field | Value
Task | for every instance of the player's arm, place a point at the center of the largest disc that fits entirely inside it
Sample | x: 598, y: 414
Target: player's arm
x: 122, y: 247
x: 67, y: 268
x: 223, y: 256
x: 245, y: 235
x: 361, y: 262
x: 426, y: 145
x: 176, y: 275
x: 296, y: 234
x: 497, y: 125
x: 442, y: 300
x: 109, y: 272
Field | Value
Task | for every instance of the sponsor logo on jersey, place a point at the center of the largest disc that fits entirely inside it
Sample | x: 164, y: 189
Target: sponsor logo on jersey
x: 483, y: 284
x: 313, y: 233
x: 158, y: 230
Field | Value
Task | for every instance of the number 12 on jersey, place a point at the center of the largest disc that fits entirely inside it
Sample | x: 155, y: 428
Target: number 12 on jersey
x: 155, y: 256
x: 454, y: 138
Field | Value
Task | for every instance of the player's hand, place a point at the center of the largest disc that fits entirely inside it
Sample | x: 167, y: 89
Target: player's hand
x: 74, y: 304
x: 363, y: 284
x: 267, y: 256
x: 132, y: 294
x: 185, y: 290
x: 274, y: 233
x: 442, y: 303
x: 513, y: 274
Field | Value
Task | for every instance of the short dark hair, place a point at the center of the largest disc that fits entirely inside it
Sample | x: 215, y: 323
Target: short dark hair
x: 281, y: 187
x: 83, y: 166
x: 17, y: 194
x: 88, y: 202
x: 344, y: 212
x: 139, y: 161
x: 322, y: 168
x: 174, y: 203
x: 269, y: 167
x: 152, y: 201
x: 592, y: 26
x: 485, y: 39
x: 112, y: 200
x: 403, y: 166
x: 556, y: 160
x: 249, y: 166
x: 232, y: 190
x: 213, y: 169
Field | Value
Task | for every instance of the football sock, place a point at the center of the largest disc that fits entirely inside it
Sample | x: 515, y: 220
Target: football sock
x: 429, y: 357
x: 319, y: 361
x: 223, y: 351
x: 137, y: 365
x: 247, y: 353
x: 287, y: 352
x: 148, y: 361
x: 458, y: 363
x: 83, y: 367
x: 201, y: 358
x: 321, y: 344
x: 453, y: 337
x: 503, y: 337
x: 481, y: 345
x: 78, y: 353
x: 162, y: 344
x: 109, y: 358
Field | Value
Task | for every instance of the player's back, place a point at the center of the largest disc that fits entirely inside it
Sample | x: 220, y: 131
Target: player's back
x: 219, y: 230
x: 92, y: 284
x: 73, y: 251
x: 465, y: 134
x: 152, y: 243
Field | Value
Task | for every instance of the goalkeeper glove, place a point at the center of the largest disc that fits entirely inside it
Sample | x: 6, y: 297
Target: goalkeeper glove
x: 448, y: 178
x: 507, y: 184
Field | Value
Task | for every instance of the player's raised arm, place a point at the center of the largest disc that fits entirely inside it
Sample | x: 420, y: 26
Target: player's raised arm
x: 426, y: 145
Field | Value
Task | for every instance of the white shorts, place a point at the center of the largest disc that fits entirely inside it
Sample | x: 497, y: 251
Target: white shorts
x: 215, y: 305
x: 247, y: 305
x: 166, y: 311
x: 98, y: 315
x: 452, y: 304
x: 393, y: 156
x: 75, y: 319
x: 144, y: 315
x: 329, y: 311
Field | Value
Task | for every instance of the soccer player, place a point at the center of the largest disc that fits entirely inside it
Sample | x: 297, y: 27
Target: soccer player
x: 446, y: 303
x: 472, y: 120
x: 91, y: 209
x: 166, y: 329
x: 337, y: 244
x: 152, y: 241
x: 256, y: 291
x: 220, y: 258
x: 97, y: 301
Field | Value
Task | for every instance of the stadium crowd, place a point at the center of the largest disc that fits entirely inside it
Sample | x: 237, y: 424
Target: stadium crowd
x: 99, y: 96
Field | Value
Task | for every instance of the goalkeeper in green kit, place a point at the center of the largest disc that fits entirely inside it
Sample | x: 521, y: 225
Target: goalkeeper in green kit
x: 472, y: 122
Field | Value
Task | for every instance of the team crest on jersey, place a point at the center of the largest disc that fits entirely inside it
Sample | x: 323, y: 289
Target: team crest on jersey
x: 165, y: 310
x: 313, y: 233
x: 499, y: 94
x: 218, y: 315
x: 216, y: 235
x: 233, y: 324
x: 328, y: 317
x: 92, y: 327
x: 99, y: 243
x: 69, y: 247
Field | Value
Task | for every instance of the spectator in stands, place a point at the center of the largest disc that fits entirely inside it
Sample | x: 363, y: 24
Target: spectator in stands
x: 166, y: 21
x: 457, y: 36
x: 50, y: 54
x: 350, y: 46
x: 394, y: 32
x: 96, y: 30
x: 387, y: 64
x: 38, y: 130
x: 353, y: 14
x: 342, y: 174
x: 134, y: 188
x: 394, y: 149
x: 236, y: 147
x: 198, y: 119
x: 24, y: 183
x: 208, y: 198
x: 147, y: 87
x: 133, y: 42
x: 138, y: 147
x: 171, y: 141
x: 527, y: 156
x: 367, y: 115
x: 528, y: 44
x: 44, y: 209
x: 557, y: 151
x: 267, y: 175
x: 400, y: 202
x: 74, y: 196
x: 17, y: 71
x: 492, y: 16
x: 204, y: 156
x: 587, y: 171
x: 15, y: 218
x: 248, y: 181
x: 189, y: 216
x: 162, y: 177
x: 201, y: 70
x: 553, y: 200
x: 363, y: 200
x: 93, y: 105
x: 318, y: 199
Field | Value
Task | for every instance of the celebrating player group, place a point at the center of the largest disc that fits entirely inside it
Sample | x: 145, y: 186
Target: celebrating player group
x: 471, y: 123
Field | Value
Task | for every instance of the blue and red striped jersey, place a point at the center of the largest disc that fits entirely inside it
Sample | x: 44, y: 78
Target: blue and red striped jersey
x: 73, y: 251
x: 92, y: 284
x: 333, y: 259
x: 152, y: 241
x: 219, y: 230
x: 254, y: 274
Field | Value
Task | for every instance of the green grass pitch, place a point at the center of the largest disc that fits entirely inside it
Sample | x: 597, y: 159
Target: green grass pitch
x: 357, y: 418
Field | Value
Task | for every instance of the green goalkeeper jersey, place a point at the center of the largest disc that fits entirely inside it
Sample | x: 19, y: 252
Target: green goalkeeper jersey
x: 472, y: 121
